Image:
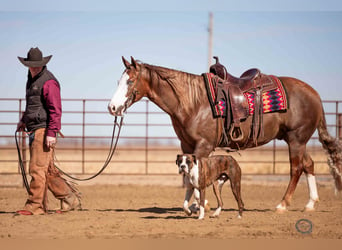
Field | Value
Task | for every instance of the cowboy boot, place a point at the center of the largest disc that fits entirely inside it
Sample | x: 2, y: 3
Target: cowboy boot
x: 71, y: 202
x: 65, y: 191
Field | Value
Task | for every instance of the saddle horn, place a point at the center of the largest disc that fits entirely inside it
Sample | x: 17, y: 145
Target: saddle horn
x: 218, y: 69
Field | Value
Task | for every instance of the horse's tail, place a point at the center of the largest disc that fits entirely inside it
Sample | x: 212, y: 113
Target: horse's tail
x: 334, y: 149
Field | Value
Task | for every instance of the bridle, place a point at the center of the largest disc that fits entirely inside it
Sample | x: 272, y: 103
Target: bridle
x: 133, y: 91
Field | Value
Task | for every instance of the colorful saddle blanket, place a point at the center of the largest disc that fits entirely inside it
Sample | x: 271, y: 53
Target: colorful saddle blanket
x: 273, y: 100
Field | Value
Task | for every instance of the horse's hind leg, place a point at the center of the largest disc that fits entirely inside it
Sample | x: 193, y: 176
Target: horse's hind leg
x: 311, y: 180
x: 296, y: 153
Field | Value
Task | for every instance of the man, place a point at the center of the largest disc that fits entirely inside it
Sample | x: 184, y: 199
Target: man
x: 42, y: 120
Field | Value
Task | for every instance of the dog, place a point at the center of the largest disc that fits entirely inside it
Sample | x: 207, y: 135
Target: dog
x: 201, y: 173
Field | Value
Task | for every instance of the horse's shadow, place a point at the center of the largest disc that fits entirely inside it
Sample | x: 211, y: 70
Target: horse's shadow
x: 174, y: 213
x: 152, y: 210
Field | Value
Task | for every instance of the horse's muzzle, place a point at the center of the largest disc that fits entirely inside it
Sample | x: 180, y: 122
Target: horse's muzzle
x: 115, y: 111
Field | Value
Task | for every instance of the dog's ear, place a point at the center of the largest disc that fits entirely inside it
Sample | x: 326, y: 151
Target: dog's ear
x: 177, y: 159
x: 194, y: 156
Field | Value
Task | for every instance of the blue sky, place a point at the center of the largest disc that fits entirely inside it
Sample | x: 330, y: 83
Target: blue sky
x: 87, y: 38
x: 87, y: 45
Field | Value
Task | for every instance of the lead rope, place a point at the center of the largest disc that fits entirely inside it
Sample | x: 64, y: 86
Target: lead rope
x: 109, y: 157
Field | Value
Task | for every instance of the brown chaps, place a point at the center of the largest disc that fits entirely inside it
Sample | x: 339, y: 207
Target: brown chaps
x: 45, y: 176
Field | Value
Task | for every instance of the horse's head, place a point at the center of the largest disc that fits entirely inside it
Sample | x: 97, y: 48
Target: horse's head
x: 130, y: 88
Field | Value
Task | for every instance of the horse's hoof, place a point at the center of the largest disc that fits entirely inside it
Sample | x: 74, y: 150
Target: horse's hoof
x: 281, y: 210
x: 188, y: 213
x: 207, y: 206
x: 309, y: 209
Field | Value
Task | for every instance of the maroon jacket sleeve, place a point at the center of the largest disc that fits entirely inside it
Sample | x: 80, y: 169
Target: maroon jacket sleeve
x: 52, y: 96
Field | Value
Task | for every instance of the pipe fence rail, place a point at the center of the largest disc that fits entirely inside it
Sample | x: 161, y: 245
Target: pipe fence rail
x: 147, y: 145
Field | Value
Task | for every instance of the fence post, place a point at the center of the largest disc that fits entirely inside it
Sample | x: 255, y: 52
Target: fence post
x: 146, y: 139
x: 83, y: 137
x: 339, y: 127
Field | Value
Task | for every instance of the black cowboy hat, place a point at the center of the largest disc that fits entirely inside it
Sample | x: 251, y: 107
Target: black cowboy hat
x: 35, y: 58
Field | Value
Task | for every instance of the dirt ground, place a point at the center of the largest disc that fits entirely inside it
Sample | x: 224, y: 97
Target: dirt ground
x: 155, y: 212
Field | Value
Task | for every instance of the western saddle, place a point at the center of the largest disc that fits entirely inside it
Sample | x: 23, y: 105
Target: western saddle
x: 232, y: 90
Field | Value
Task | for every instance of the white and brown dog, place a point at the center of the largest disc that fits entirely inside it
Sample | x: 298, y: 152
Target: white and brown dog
x: 200, y: 174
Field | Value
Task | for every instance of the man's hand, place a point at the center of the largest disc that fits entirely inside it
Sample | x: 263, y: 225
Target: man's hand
x: 50, y: 141
x: 20, y: 126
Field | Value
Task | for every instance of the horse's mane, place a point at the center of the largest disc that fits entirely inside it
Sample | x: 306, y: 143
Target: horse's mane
x: 184, y: 85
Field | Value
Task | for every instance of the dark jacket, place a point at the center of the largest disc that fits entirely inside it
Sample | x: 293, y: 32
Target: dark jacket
x: 37, y: 114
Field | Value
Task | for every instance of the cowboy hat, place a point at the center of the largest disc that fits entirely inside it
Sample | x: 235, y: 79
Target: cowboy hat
x: 35, y: 58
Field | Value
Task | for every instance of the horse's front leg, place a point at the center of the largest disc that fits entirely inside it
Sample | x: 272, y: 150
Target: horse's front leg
x: 203, y: 148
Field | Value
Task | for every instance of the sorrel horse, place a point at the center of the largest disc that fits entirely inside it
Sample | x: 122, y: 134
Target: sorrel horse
x: 183, y: 96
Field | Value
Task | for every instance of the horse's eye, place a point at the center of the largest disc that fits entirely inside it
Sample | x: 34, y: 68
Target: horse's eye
x: 129, y: 82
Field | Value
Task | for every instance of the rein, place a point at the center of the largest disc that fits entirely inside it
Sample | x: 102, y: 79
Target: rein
x: 110, y: 153
x: 21, y: 165
x: 107, y: 161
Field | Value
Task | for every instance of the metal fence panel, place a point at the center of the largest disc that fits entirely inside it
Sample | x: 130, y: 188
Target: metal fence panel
x: 147, y: 145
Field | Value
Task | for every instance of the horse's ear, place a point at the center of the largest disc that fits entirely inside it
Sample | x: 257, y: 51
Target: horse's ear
x: 126, y: 63
x: 133, y: 62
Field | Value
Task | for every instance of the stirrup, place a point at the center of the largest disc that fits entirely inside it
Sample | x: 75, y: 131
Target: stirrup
x: 231, y: 133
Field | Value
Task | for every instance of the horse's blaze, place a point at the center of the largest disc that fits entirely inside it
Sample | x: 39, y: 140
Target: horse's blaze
x: 117, y: 103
